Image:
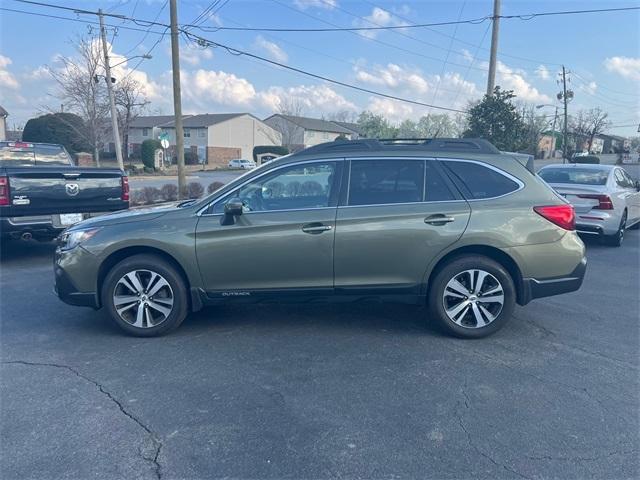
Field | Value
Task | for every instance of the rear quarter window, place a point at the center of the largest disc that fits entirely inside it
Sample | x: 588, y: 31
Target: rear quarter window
x: 476, y: 181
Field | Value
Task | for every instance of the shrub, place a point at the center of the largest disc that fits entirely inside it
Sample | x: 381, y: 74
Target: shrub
x: 148, y: 151
x: 63, y: 128
x: 190, y: 158
x: 195, y: 190
x: 169, y: 192
x: 137, y: 198
x: 150, y: 195
x: 214, y: 186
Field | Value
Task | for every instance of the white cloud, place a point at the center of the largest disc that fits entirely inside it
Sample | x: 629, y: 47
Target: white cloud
x: 394, y: 77
x: 626, y: 67
x: 542, y: 72
x: 378, y: 18
x: 511, y: 79
x: 315, y: 99
x: 191, y: 54
x: 204, y: 87
x: 39, y: 73
x: 273, y: 49
x: 466, y: 54
x: 7, y: 80
x: 326, y: 4
x: 589, y: 88
x: 393, y: 110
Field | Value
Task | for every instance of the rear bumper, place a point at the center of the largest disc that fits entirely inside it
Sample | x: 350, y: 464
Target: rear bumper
x: 533, y: 288
x: 38, y: 227
x: 605, y: 222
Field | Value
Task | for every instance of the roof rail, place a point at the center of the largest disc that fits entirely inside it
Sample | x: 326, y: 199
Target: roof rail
x: 467, y: 145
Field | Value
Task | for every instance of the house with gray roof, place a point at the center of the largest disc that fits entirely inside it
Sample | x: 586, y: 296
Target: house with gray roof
x: 144, y: 128
x: 302, y: 132
x: 216, y: 138
x: 354, y: 128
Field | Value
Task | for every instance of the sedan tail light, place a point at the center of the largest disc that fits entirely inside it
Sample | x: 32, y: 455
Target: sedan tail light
x: 561, y: 215
x: 4, y: 190
x: 125, y: 189
x: 604, y: 201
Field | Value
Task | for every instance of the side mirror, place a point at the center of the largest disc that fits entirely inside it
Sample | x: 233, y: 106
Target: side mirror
x: 232, y: 209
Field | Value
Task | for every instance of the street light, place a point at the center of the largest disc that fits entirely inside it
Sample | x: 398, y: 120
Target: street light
x: 146, y: 56
x: 553, y: 128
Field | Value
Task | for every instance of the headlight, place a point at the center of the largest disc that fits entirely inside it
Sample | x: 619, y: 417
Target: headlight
x: 72, y: 239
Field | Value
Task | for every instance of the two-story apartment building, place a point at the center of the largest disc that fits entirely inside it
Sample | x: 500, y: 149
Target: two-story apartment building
x: 143, y: 128
x: 216, y: 138
x: 302, y: 132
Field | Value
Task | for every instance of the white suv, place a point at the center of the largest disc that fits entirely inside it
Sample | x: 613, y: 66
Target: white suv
x: 242, y: 163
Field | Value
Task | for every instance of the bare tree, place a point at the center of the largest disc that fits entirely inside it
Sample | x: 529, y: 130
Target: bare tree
x: 131, y: 102
x: 347, y: 116
x: 81, y: 93
x: 586, y: 124
x: 289, y: 107
x: 534, y: 125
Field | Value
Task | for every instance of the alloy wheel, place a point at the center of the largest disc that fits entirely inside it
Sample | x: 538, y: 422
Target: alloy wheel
x: 143, y: 298
x: 473, y: 298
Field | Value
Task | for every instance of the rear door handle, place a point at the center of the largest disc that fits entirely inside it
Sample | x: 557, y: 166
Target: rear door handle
x: 316, y: 228
x: 438, y: 219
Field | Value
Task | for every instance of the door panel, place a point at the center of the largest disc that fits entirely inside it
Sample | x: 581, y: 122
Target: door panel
x: 267, y: 250
x: 390, y: 246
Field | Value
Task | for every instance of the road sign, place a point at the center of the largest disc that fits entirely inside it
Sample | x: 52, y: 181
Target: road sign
x: 164, y: 142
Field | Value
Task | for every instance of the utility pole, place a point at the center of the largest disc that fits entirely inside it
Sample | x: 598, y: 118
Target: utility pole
x: 564, y: 99
x: 177, y: 99
x: 553, y: 134
x: 491, y: 80
x: 112, y: 100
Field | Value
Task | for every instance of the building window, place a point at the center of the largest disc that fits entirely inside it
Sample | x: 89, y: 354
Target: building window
x: 145, y: 132
x: 202, y: 133
x: 187, y: 133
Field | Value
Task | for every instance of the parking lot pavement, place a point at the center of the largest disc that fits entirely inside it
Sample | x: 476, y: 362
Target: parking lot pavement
x: 331, y: 391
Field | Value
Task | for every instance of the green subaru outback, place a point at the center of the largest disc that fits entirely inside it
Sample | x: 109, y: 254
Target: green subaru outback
x: 453, y: 223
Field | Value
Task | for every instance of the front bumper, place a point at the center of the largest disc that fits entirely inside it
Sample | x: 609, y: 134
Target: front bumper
x: 533, y: 288
x: 65, y: 287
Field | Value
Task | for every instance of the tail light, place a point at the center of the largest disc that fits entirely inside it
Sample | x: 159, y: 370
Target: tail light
x: 4, y: 191
x: 604, y: 201
x: 562, y: 215
x: 125, y: 189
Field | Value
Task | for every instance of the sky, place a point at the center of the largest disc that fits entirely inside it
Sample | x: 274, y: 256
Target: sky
x: 441, y: 65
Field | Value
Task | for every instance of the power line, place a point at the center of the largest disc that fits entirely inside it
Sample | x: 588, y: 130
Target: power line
x: 525, y: 17
x: 144, y: 37
x: 235, y: 51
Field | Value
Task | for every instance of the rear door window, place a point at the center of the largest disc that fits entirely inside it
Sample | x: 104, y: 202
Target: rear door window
x: 435, y: 185
x: 477, y: 181
x: 384, y: 182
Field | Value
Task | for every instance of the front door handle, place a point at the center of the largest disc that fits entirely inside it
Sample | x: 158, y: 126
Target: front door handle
x: 438, y: 219
x: 316, y: 228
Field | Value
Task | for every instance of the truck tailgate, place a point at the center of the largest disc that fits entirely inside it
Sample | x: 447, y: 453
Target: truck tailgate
x: 46, y: 190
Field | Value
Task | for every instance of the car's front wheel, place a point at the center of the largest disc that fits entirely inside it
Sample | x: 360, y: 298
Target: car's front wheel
x: 472, y: 296
x: 145, y: 296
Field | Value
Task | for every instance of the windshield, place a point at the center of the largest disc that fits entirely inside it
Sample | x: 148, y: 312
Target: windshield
x: 578, y: 176
x: 19, y: 154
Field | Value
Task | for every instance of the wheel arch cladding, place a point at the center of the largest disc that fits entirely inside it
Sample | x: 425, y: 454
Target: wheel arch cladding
x: 116, y: 257
x: 490, y: 252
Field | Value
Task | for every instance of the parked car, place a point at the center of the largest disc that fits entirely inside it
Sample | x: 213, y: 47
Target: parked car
x: 242, y: 163
x: 42, y: 192
x: 605, y: 197
x: 452, y: 223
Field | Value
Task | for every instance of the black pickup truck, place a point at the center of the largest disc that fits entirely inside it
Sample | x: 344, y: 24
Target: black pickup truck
x: 42, y: 192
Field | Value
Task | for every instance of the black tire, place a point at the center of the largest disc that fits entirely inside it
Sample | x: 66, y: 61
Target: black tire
x: 458, y: 267
x: 616, y: 239
x: 176, y: 290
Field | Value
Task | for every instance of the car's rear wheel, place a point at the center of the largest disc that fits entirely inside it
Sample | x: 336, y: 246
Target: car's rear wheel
x: 616, y: 239
x: 145, y: 296
x: 472, y: 296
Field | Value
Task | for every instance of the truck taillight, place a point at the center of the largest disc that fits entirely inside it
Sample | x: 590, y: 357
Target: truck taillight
x: 4, y: 191
x: 125, y: 189
x: 604, y: 201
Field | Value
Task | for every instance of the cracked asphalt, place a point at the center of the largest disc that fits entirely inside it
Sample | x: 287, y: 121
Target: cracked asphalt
x: 319, y: 392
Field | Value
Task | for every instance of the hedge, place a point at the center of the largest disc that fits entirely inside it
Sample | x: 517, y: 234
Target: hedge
x: 148, y: 152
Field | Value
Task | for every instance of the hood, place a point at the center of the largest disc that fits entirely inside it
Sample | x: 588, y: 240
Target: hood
x: 136, y: 214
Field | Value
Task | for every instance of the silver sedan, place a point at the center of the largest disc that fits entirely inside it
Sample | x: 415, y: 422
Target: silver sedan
x: 605, y: 197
